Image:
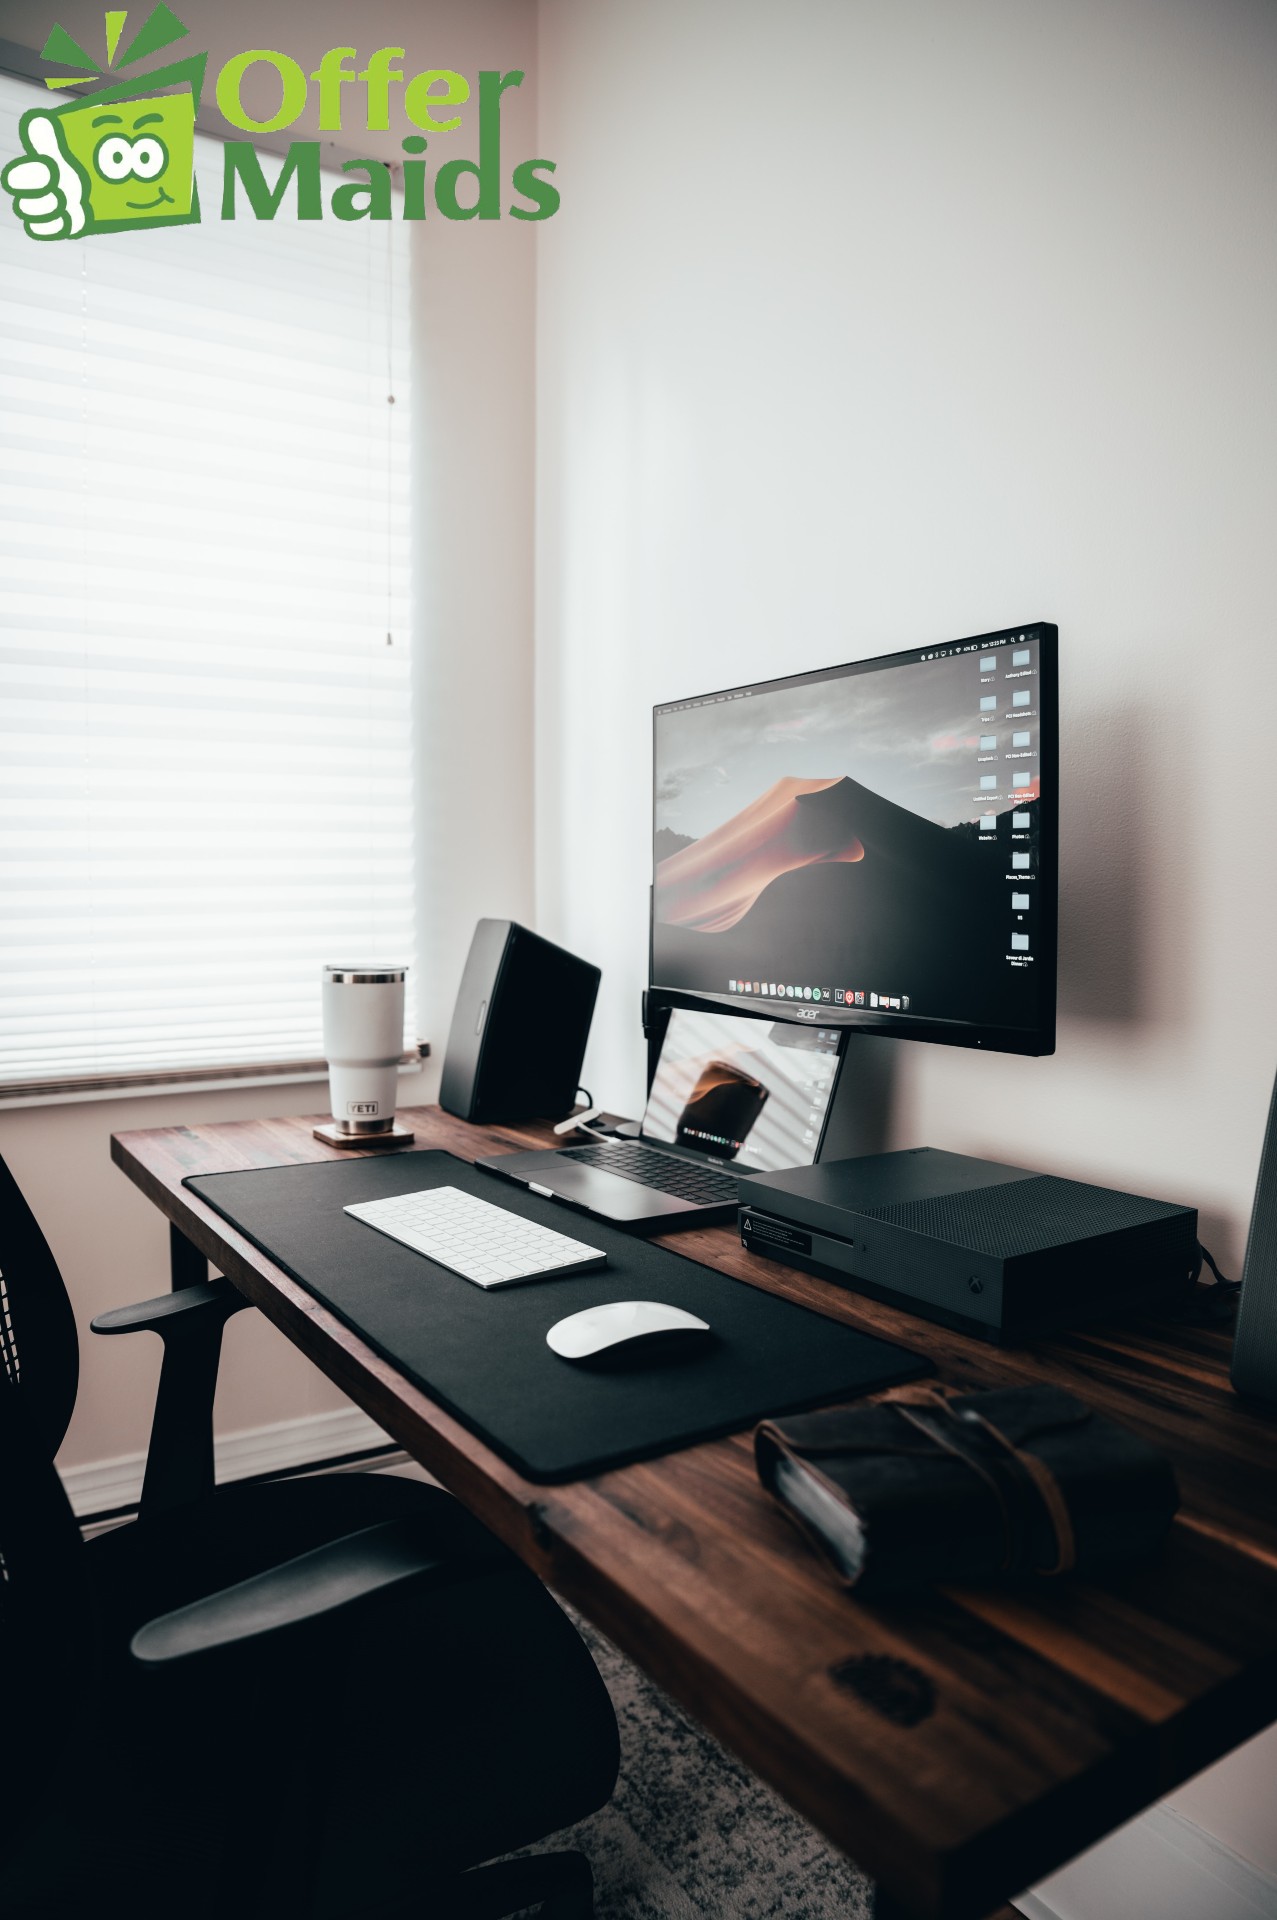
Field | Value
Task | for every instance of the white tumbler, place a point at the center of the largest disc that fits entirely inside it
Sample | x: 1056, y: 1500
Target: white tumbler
x: 363, y: 1044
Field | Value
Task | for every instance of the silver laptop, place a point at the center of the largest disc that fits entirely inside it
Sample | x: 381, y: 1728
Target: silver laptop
x: 728, y: 1092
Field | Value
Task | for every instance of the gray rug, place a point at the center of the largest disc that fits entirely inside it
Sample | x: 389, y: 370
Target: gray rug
x: 690, y: 1834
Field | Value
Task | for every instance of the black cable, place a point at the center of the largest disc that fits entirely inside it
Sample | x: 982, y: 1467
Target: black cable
x: 1231, y: 1286
x: 584, y: 1095
x: 1217, y: 1301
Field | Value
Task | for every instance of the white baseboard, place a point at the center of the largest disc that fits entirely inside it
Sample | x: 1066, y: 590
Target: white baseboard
x: 102, y: 1486
x: 1161, y: 1866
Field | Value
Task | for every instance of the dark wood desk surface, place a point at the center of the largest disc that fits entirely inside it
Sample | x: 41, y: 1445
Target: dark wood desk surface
x: 976, y: 1738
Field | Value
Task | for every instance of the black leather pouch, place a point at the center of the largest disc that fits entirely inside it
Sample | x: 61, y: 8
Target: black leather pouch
x: 929, y: 1485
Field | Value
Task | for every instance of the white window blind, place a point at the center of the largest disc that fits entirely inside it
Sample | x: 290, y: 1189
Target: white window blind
x: 205, y: 715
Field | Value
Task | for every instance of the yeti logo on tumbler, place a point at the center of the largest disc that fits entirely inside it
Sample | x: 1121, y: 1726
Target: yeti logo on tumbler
x: 363, y: 1044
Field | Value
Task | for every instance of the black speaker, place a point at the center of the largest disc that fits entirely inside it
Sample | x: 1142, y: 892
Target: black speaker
x: 1255, y: 1344
x: 519, y: 1028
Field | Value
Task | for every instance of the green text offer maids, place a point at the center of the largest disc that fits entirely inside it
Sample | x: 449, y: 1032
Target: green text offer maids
x: 352, y: 94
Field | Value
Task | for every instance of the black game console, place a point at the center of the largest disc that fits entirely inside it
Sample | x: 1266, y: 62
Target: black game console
x: 997, y: 1251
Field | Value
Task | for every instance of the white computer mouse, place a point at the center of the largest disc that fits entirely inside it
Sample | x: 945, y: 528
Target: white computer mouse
x: 627, y: 1329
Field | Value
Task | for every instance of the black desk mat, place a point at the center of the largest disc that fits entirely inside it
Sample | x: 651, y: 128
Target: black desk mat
x: 483, y: 1355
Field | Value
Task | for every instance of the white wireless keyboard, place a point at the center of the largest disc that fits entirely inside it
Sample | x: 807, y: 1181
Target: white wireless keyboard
x: 480, y: 1241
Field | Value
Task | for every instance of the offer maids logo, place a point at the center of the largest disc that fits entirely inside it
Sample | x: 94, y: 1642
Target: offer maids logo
x: 122, y: 156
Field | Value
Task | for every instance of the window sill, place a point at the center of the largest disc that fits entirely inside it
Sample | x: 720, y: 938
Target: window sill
x: 128, y: 1086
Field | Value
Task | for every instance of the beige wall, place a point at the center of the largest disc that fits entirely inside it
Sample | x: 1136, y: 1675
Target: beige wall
x: 870, y: 325
x: 473, y: 391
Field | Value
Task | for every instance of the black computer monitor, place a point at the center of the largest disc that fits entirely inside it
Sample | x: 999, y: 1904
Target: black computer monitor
x: 871, y: 845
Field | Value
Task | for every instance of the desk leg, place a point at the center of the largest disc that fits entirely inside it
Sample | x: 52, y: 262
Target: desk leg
x: 188, y: 1267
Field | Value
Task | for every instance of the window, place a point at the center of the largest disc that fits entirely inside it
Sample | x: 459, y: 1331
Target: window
x: 205, y: 664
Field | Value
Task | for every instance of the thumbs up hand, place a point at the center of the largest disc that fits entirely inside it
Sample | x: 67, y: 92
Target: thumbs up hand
x: 47, y: 191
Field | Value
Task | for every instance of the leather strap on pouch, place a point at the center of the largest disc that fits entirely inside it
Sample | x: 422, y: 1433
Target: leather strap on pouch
x: 1022, y: 1484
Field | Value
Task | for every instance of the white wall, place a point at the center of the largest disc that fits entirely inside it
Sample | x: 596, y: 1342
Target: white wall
x: 473, y: 387
x: 864, y: 326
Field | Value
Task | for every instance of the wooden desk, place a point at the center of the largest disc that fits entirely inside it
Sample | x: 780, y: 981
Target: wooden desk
x: 958, y: 1747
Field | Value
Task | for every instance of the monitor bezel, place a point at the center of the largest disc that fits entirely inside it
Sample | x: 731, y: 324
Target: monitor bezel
x: 1035, y: 1041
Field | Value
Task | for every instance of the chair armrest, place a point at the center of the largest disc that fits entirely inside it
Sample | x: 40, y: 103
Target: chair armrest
x: 163, y: 1314
x: 179, y: 1460
x: 326, y: 1581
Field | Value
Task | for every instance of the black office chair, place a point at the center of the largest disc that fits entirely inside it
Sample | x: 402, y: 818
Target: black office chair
x: 320, y: 1698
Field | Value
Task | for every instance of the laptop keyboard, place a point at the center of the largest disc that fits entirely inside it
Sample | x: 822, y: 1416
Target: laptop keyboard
x: 663, y: 1172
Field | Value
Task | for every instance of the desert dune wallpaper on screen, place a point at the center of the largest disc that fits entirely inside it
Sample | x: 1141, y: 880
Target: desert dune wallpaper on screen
x: 874, y: 827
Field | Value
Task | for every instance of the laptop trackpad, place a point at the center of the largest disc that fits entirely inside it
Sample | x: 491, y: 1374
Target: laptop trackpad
x: 608, y: 1194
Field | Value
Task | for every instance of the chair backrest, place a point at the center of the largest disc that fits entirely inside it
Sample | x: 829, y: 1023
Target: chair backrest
x: 39, y: 1353
x: 47, y: 1643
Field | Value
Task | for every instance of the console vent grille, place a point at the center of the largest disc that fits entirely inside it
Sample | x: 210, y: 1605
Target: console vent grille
x: 1023, y: 1216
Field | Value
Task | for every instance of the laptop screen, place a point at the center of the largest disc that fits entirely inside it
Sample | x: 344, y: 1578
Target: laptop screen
x: 754, y: 1092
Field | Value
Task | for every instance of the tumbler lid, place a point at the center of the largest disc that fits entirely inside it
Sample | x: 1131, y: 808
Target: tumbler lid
x: 371, y: 975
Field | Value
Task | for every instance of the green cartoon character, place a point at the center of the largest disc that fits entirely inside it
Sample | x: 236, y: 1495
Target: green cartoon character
x: 121, y: 158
